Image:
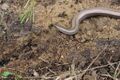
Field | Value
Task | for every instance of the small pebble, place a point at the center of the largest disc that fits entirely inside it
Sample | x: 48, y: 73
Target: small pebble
x: 35, y: 73
x: 4, y: 6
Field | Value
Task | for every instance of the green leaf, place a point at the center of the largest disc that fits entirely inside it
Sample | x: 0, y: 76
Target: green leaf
x: 6, y: 74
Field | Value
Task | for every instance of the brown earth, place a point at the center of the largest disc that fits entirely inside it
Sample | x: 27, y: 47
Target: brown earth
x: 46, y: 51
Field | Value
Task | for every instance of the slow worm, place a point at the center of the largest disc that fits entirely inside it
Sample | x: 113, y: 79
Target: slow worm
x: 85, y: 14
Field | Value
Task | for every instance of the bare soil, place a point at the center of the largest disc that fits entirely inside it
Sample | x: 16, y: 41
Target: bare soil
x: 45, y: 51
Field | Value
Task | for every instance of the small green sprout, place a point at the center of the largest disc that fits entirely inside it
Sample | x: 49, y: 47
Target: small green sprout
x: 28, y: 12
x: 6, y: 74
